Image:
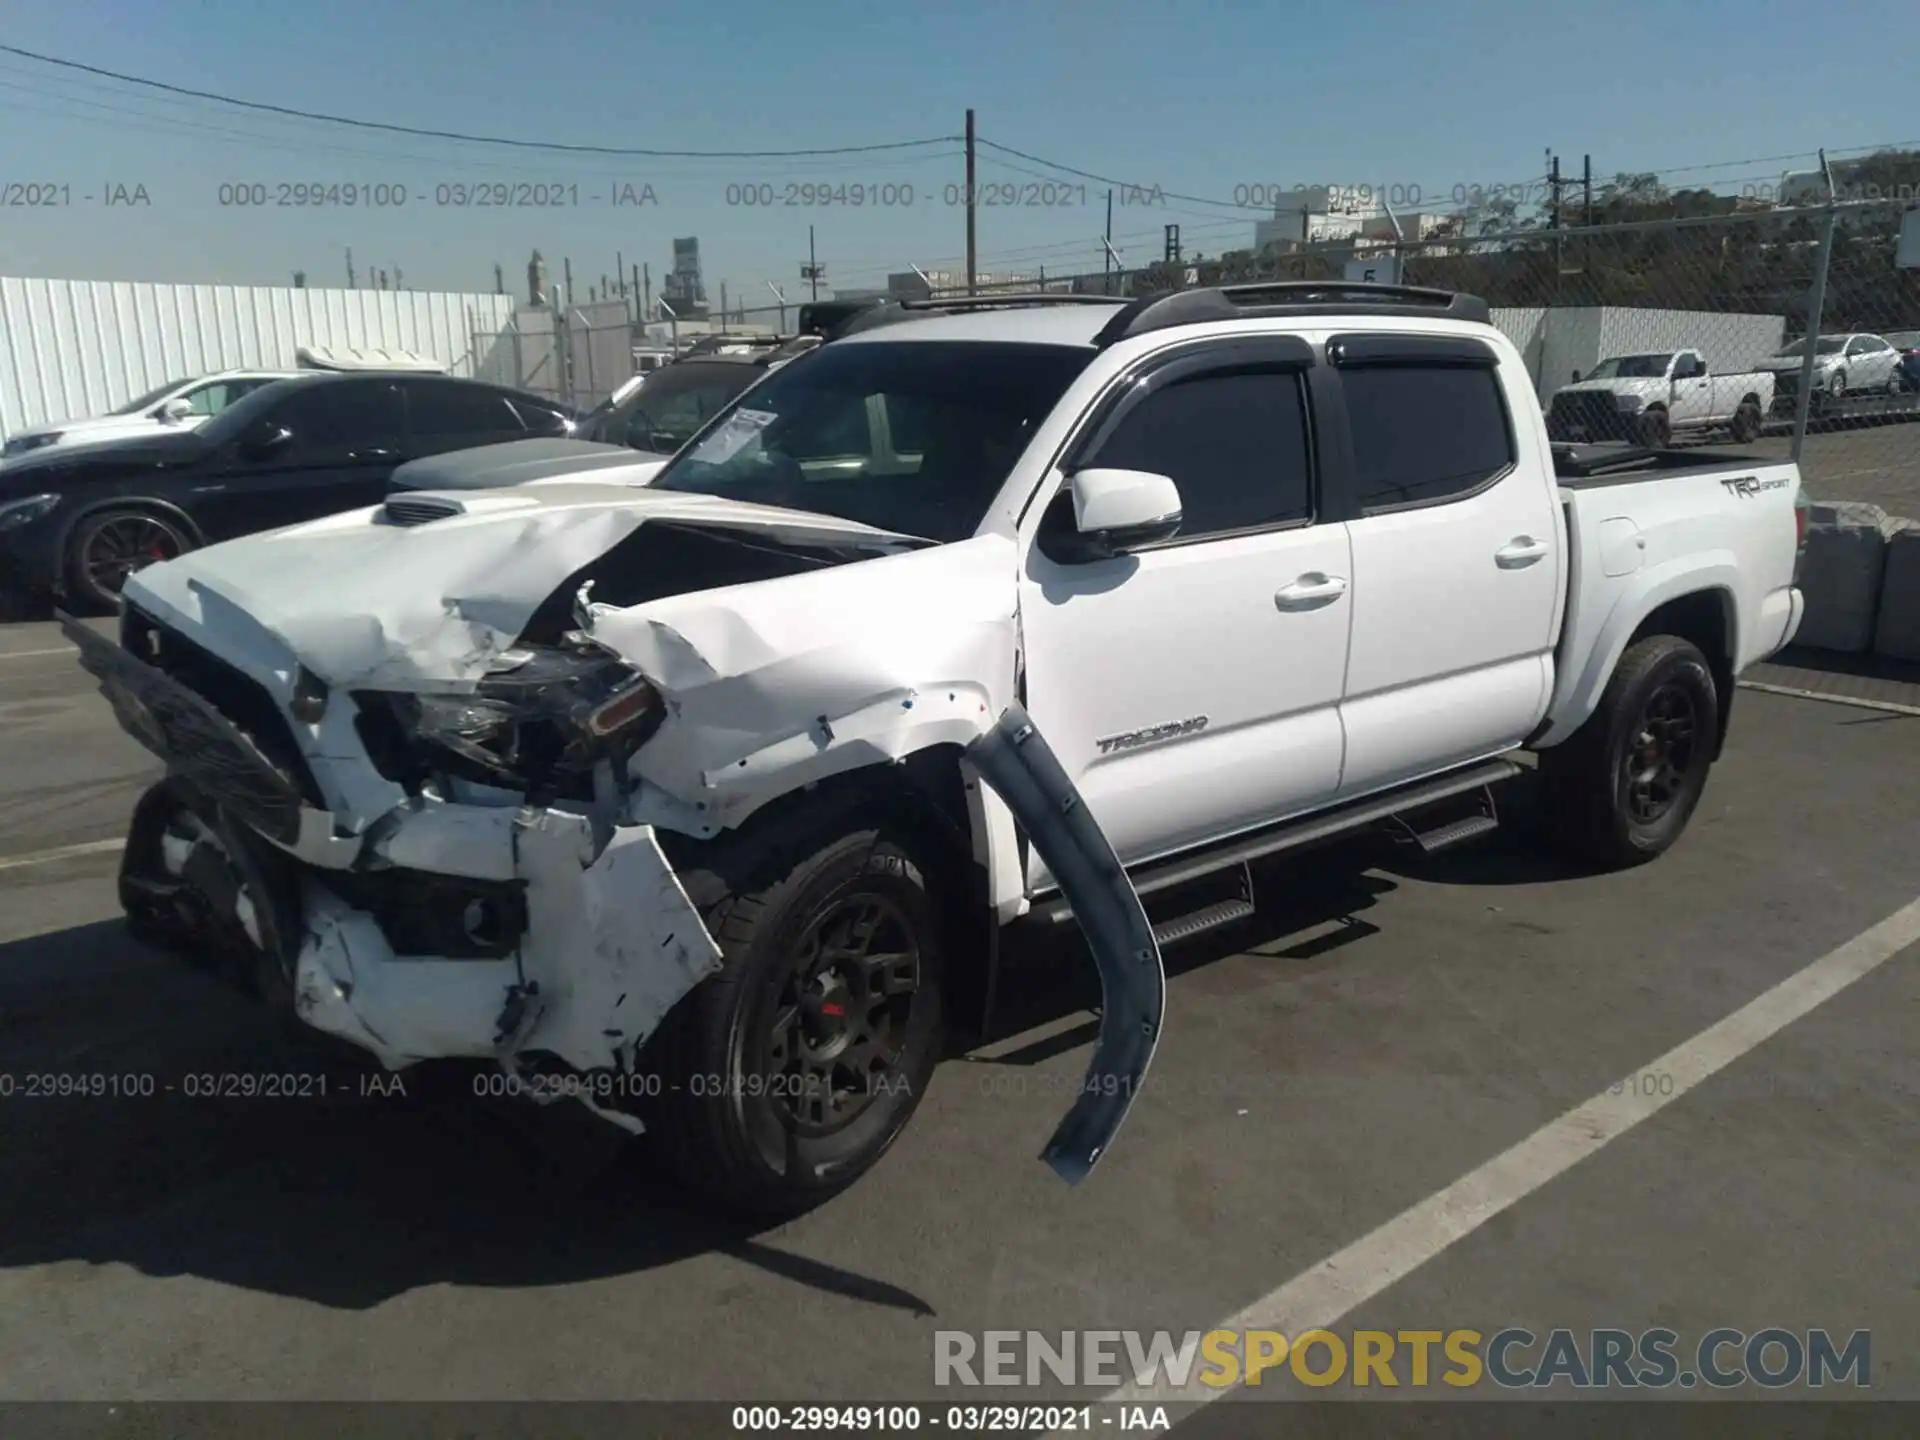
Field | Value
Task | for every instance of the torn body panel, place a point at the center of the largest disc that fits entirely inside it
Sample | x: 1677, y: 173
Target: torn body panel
x: 1016, y: 761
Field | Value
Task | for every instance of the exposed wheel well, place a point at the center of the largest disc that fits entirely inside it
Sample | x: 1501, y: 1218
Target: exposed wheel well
x: 926, y: 794
x: 1705, y: 619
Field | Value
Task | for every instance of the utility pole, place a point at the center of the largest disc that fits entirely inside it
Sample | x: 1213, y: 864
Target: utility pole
x: 972, y: 288
x: 499, y: 280
x: 396, y: 279
x: 813, y: 264
x: 352, y: 283
x: 620, y: 272
x: 1586, y: 184
x: 1553, y: 223
x: 646, y: 306
x: 724, y: 316
x: 1106, y: 247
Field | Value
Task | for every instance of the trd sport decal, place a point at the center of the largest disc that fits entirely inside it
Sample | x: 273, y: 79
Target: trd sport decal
x: 1747, y: 486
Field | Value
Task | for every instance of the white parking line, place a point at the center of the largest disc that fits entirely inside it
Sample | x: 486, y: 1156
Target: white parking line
x: 1319, y: 1297
x: 32, y: 654
x: 61, y: 852
x: 1799, y: 694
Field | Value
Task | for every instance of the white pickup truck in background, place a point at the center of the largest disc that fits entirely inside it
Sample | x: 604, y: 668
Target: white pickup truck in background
x: 707, y: 802
x: 1650, y: 398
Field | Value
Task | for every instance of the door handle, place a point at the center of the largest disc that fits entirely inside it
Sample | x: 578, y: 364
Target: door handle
x: 1311, y: 590
x: 373, y: 453
x: 1522, y: 550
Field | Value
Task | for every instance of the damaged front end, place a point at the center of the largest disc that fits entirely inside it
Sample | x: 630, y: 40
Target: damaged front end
x: 509, y: 925
x: 446, y: 846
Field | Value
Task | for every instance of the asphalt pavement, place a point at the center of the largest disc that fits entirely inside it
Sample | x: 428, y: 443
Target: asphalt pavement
x: 1385, y: 1027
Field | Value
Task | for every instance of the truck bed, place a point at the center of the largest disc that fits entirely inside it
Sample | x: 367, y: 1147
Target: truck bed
x: 1586, y: 467
x: 1645, y: 528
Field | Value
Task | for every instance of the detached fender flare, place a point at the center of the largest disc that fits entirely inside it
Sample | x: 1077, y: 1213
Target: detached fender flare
x: 1015, y: 760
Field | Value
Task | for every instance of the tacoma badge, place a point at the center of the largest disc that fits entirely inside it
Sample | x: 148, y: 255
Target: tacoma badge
x: 1132, y: 739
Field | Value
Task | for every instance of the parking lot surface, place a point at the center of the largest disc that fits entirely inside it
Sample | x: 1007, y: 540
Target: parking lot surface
x: 1384, y: 1027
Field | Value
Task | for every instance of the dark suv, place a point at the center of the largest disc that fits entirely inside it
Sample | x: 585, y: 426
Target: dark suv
x: 77, y: 522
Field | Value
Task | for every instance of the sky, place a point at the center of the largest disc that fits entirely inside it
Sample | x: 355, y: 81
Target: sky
x: 1222, y: 103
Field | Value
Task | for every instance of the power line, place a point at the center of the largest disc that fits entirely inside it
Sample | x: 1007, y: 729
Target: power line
x: 554, y: 146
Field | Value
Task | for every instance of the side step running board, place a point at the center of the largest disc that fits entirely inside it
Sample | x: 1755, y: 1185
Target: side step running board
x: 1295, y: 834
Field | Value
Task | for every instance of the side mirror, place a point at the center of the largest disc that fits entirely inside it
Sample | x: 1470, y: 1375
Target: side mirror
x: 1103, y: 513
x: 1576, y: 377
x: 265, y: 440
x: 174, y: 411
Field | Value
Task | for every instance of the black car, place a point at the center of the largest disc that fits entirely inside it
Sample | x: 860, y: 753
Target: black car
x: 77, y: 521
x: 653, y: 418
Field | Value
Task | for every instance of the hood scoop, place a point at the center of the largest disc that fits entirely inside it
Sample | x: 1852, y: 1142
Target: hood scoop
x: 419, y: 510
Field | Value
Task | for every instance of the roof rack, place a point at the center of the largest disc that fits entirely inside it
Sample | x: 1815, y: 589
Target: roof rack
x: 710, y: 344
x: 1287, y: 297
x: 893, y: 311
x: 989, y: 302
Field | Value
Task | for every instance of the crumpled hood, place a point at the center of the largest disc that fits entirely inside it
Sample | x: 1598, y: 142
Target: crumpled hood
x: 520, y: 462
x: 363, y: 602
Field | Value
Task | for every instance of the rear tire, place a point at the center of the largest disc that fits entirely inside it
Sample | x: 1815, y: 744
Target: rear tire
x: 789, y: 1074
x: 109, y: 545
x: 1621, y: 789
x: 1747, y: 421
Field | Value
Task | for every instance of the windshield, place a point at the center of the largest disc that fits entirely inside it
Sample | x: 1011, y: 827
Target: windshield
x: 148, y: 400
x: 1632, y: 367
x: 910, y: 436
x: 1828, y: 345
x: 671, y: 407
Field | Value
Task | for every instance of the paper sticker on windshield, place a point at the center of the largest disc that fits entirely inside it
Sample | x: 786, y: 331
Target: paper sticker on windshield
x: 731, y: 438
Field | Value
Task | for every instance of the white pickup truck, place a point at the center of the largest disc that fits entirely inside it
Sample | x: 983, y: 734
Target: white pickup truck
x: 1650, y: 398
x: 705, y: 802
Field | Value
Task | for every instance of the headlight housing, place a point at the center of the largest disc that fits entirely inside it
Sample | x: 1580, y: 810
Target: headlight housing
x: 15, y: 513
x: 21, y: 444
x: 1632, y: 404
x: 539, y: 721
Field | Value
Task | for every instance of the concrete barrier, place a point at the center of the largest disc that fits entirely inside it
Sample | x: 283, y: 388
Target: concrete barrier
x: 1841, y: 575
x: 1897, y: 635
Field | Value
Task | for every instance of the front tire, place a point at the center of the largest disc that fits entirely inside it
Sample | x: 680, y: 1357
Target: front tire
x: 1622, y: 788
x: 109, y: 545
x: 1656, y: 429
x: 789, y: 1074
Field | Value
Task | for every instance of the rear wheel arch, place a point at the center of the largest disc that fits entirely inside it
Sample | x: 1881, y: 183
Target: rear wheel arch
x: 1709, y: 620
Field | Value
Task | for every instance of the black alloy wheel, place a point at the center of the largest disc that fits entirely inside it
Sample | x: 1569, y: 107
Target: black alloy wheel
x: 1659, y: 759
x: 114, y: 544
x: 835, y: 1034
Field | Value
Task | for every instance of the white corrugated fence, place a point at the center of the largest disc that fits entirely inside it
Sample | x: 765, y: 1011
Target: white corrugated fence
x: 70, y: 348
